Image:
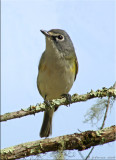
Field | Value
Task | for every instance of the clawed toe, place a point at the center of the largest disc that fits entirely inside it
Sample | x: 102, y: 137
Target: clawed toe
x: 47, y: 102
x: 68, y: 98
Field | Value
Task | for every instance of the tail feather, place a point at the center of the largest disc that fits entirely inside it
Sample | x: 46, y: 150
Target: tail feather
x: 46, y: 128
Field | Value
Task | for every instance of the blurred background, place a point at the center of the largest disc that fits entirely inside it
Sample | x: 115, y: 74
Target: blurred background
x: 91, y: 26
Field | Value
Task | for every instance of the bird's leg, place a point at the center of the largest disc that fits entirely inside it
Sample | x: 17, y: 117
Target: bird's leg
x: 47, y: 102
x: 68, y: 98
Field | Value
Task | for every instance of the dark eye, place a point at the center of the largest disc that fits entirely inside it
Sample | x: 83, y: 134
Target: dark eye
x: 60, y: 37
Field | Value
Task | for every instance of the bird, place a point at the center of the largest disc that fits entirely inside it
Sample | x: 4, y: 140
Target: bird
x: 57, y: 71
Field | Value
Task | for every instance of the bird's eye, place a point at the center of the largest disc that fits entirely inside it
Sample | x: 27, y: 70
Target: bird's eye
x: 60, y: 37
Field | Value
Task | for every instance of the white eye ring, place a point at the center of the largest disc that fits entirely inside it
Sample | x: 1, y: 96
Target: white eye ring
x: 60, y: 38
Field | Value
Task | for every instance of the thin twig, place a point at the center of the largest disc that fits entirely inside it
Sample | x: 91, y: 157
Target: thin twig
x: 89, y: 153
x: 105, y: 116
x: 81, y: 155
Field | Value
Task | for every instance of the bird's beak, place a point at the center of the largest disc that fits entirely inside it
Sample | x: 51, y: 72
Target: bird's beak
x: 45, y: 32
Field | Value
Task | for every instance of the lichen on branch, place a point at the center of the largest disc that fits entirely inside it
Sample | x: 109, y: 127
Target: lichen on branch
x: 104, y: 92
x: 79, y: 141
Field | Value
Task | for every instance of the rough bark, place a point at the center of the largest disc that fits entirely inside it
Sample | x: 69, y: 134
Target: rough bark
x: 110, y: 92
x: 77, y: 141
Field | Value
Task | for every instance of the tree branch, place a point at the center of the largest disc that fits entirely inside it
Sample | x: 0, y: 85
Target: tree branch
x: 58, y: 102
x: 80, y: 141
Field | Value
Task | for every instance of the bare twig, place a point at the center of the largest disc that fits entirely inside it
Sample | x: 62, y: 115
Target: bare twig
x: 105, y: 116
x: 81, y: 155
x: 89, y: 153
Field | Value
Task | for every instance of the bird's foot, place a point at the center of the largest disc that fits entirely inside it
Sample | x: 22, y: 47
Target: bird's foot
x: 68, y: 98
x: 47, y: 102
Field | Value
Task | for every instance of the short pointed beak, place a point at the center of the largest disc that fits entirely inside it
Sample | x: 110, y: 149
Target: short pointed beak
x: 45, y: 32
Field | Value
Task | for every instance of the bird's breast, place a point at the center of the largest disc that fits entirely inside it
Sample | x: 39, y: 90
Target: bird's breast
x: 55, y: 78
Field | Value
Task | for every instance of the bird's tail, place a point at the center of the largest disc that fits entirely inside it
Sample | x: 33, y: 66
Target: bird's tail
x: 46, y: 128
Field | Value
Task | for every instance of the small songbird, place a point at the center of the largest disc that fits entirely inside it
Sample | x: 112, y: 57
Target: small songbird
x: 57, y: 71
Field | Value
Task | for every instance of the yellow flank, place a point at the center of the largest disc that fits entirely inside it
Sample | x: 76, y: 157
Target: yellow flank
x: 73, y: 67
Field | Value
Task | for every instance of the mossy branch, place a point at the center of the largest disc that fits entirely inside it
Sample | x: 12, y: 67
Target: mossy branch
x: 81, y: 141
x: 104, y: 92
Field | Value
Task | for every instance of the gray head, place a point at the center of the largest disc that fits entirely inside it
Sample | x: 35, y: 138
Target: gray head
x: 60, y: 40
